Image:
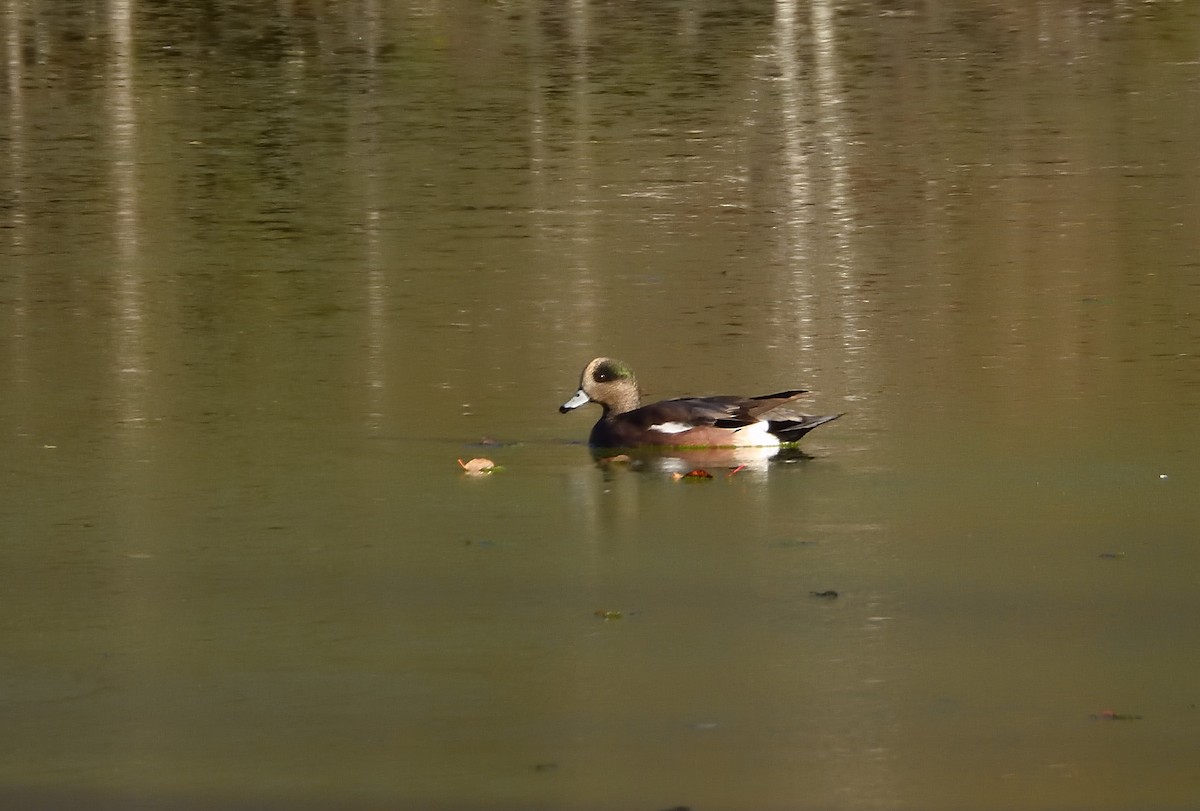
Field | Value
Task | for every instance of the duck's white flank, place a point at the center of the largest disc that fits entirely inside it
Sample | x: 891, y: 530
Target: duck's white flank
x: 757, y: 435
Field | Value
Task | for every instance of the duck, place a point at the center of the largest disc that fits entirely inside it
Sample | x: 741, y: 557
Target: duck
x: 723, y: 421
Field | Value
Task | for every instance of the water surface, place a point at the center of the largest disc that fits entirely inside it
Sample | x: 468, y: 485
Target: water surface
x: 267, y: 272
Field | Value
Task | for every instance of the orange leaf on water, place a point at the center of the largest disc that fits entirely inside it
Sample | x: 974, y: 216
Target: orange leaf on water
x: 477, y: 466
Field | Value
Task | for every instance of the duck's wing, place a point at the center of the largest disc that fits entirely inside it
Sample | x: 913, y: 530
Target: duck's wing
x: 767, y: 405
x: 693, y: 412
x: 722, y: 411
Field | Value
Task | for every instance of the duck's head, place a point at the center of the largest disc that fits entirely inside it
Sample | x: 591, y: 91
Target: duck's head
x: 608, y: 382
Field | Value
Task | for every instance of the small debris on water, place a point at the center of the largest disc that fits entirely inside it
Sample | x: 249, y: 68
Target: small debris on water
x: 545, y: 767
x: 608, y: 614
x: 829, y: 594
x: 1112, y: 555
x: 791, y: 543
x: 1111, y: 715
x: 699, y: 474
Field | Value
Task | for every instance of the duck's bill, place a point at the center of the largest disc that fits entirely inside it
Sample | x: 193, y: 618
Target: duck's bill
x: 575, y: 402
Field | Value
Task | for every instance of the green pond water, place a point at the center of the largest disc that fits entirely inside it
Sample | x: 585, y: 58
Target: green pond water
x: 267, y: 271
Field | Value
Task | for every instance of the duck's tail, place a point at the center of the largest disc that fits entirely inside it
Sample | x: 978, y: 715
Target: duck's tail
x: 790, y: 430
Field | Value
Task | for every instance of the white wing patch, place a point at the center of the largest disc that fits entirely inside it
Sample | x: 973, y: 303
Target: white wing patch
x: 671, y: 427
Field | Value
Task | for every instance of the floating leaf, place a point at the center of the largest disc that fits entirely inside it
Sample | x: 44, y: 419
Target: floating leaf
x: 477, y: 466
x: 608, y: 614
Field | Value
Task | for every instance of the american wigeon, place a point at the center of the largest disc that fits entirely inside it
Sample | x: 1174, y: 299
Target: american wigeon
x: 686, y: 422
